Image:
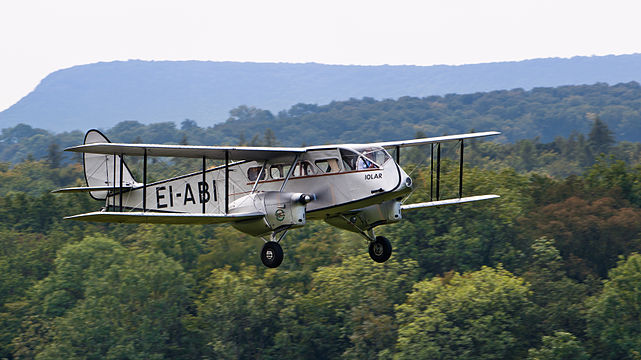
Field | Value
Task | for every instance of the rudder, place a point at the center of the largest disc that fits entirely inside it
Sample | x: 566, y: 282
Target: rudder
x: 104, y: 170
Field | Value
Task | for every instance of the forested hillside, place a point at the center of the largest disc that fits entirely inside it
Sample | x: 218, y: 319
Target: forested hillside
x: 541, y: 113
x: 548, y: 271
x: 104, y: 94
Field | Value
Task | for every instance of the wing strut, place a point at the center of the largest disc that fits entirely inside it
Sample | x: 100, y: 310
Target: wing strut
x: 289, y: 173
x: 438, y: 171
x: 202, y: 192
x: 436, y: 193
x: 460, y: 172
x: 431, y: 172
x: 144, y: 182
x: 122, y: 160
x: 226, y: 181
x: 114, y: 190
x: 260, y: 175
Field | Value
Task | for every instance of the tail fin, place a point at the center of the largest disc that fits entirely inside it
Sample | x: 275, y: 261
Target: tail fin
x: 104, y: 170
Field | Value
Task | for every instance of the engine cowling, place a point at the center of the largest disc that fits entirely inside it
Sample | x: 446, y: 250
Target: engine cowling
x: 281, y: 209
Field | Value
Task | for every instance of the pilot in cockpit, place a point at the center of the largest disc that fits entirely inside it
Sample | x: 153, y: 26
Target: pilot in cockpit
x: 367, y: 161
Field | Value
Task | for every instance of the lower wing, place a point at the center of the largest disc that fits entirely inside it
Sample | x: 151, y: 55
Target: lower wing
x: 163, y: 218
x: 447, y: 202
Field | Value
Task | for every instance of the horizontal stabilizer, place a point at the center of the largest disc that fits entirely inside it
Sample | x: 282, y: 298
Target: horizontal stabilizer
x: 163, y: 218
x: 447, y: 202
x: 91, y: 188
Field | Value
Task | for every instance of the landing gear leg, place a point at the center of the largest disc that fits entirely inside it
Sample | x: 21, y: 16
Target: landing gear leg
x: 380, y: 249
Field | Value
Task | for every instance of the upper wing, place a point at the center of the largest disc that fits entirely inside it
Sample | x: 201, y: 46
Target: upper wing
x: 163, y: 218
x: 434, y: 140
x: 242, y: 152
x: 189, y: 151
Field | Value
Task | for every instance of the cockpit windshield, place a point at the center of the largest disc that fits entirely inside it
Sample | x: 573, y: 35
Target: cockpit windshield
x: 361, y: 158
x: 376, y: 154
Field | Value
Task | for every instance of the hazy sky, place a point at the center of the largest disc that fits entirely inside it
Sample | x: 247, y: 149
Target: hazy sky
x: 38, y: 37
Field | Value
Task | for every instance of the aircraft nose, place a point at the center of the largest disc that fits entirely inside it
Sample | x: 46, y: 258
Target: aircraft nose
x: 306, y: 198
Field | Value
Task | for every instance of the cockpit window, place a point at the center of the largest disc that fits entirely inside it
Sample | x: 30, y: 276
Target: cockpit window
x: 364, y: 158
x: 364, y: 162
x: 375, y: 154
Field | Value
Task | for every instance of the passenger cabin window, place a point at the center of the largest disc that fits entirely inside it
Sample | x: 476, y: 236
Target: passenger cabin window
x: 328, y: 165
x: 252, y: 173
x: 303, y: 168
x: 279, y: 171
x: 349, y: 159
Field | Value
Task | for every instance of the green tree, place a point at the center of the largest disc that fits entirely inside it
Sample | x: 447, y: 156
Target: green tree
x: 132, y: 310
x: 461, y: 238
x: 348, y: 310
x: 527, y: 154
x: 477, y: 315
x: 613, y: 316
x: 238, y: 315
x: 561, y: 346
x: 600, y: 138
x: 559, y: 299
x: 59, y: 292
x: 615, y: 178
x: 188, y: 125
x: 74, y: 266
x: 270, y: 138
x: 590, y: 235
x: 54, y: 155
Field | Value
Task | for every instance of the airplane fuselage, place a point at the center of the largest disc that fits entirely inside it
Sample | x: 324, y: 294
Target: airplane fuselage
x: 336, y: 183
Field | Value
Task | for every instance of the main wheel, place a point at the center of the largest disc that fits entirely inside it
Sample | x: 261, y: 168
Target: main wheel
x: 272, y: 254
x: 380, y: 249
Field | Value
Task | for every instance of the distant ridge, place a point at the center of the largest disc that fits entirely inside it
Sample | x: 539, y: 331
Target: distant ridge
x: 103, y: 94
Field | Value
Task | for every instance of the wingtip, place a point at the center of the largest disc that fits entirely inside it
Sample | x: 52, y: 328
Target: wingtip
x: 72, y: 148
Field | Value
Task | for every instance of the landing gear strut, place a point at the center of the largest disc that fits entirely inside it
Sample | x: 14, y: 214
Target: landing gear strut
x: 380, y: 249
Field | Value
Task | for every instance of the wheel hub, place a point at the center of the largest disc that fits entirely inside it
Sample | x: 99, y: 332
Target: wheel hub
x: 378, y: 249
x: 269, y: 255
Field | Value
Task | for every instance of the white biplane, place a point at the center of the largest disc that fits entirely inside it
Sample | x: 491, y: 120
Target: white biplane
x: 265, y: 191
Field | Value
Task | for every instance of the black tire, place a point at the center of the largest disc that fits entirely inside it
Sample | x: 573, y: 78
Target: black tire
x: 380, y: 249
x: 272, y: 254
